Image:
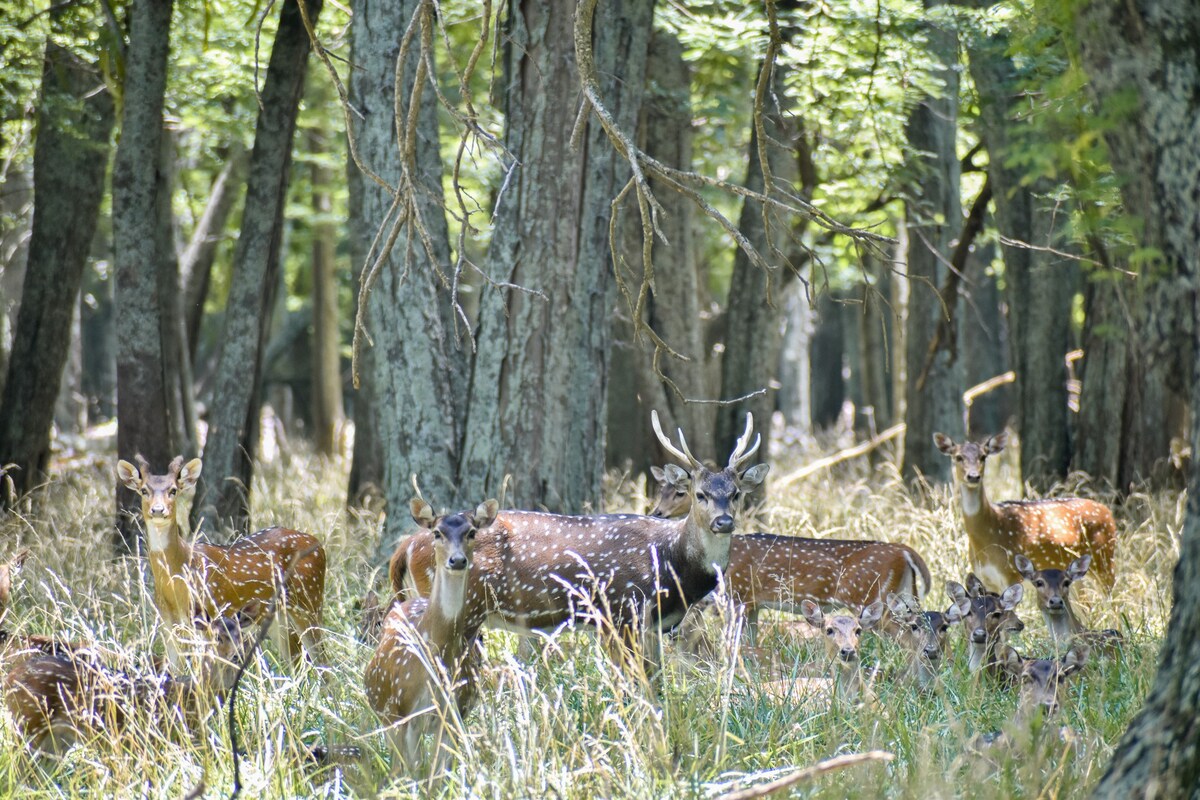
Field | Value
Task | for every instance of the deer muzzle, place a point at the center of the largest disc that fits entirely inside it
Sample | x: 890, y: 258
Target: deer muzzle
x: 722, y: 524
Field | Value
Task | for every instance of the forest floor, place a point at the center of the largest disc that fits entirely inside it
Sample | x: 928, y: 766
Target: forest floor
x: 565, y: 723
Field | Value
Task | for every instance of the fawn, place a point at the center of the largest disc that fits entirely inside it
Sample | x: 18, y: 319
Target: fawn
x: 843, y: 638
x: 987, y: 618
x: 55, y: 698
x: 1054, y: 600
x: 778, y: 572
x: 1049, y: 532
x: 214, y: 579
x: 423, y: 638
x: 922, y: 636
x: 540, y: 571
x: 1043, y: 681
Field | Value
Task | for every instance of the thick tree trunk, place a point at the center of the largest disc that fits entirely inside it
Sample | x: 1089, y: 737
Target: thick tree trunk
x: 1040, y: 284
x: 1147, y: 50
x: 827, y: 355
x: 327, y: 411
x: 98, y: 343
x: 877, y: 355
x: 75, y: 121
x: 674, y: 309
x: 753, y: 313
x: 16, y: 203
x: 934, y: 218
x: 222, y: 495
x: 795, y: 356
x: 417, y: 367
x: 540, y: 381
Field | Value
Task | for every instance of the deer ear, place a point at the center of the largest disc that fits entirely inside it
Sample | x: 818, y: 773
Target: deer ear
x: 755, y: 475
x: 1013, y: 662
x: 250, y: 613
x: 1012, y: 596
x: 1024, y: 566
x: 16, y: 562
x: 128, y: 474
x: 485, y: 514
x: 944, y: 443
x: 812, y: 613
x: 959, y: 611
x: 956, y: 591
x: 659, y: 475
x: 189, y: 473
x: 975, y: 587
x: 422, y: 513
x: 677, y: 475
x: 1079, y: 567
x: 996, y: 443
x: 1075, y: 659
x: 870, y: 616
x: 896, y: 604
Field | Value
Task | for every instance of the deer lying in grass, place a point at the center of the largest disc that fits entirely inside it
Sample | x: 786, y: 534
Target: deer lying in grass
x: 1053, y: 597
x: 1048, y: 532
x: 778, y: 572
x: 425, y: 641
x: 56, y: 699
x: 1043, y: 682
x: 537, y: 572
x: 987, y: 618
x: 922, y: 636
x: 13, y: 646
x: 843, y: 641
x: 216, y: 579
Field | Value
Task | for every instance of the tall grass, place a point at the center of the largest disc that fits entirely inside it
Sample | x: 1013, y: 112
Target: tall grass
x: 564, y: 723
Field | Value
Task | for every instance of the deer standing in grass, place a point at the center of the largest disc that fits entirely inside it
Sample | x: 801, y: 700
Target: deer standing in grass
x: 56, y: 698
x: 1054, y: 600
x: 1051, y: 532
x: 537, y: 572
x: 987, y: 618
x: 216, y: 579
x: 424, y: 639
x: 778, y: 572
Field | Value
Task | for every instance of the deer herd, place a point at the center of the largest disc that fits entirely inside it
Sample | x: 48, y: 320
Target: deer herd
x: 630, y: 578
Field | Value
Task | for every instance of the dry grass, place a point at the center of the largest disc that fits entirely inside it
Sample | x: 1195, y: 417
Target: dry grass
x: 566, y: 724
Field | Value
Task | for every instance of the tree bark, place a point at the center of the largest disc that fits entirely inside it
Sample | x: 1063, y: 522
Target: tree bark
x: 795, y: 357
x: 754, y: 319
x: 327, y: 411
x: 540, y: 380
x: 1040, y: 284
x: 934, y: 218
x: 984, y: 343
x: 418, y: 363
x: 827, y: 353
x: 1145, y: 52
x: 674, y: 308
x: 877, y: 359
x: 74, y: 129
x: 222, y: 494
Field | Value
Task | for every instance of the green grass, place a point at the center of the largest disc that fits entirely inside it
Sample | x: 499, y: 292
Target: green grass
x: 566, y: 724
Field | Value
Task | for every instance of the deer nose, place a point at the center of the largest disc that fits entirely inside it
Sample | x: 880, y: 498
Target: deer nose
x: 1049, y: 707
x: 972, y: 477
x: 848, y: 653
x: 158, y: 510
x: 456, y: 561
x: 932, y: 653
x: 1055, y: 603
x: 979, y: 636
x: 657, y: 513
x: 722, y: 524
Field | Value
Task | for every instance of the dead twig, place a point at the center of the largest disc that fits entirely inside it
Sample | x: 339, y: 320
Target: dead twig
x: 807, y: 773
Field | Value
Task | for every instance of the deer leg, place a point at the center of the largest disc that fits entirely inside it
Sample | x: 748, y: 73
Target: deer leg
x: 751, y: 612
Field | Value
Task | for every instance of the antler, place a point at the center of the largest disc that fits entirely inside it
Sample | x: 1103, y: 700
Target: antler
x: 740, y: 455
x: 684, y: 455
x: 142, y: 464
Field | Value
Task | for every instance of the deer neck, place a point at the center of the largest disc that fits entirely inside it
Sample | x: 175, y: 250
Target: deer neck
x: 979, y: 655
x: 703, y: 547
x: 848, y: 681
x: 169, y: 555
x: 1063, y: 623
x: 447, y: 611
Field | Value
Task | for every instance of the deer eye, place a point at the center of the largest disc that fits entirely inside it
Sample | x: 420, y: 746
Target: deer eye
x: 680, y: 493
x: 959, y: 458
x: 1039, y: 584
x: 470, y: 535
x: 829, y: 631
x: 858, y: 631
x: 171, y: 492
x: 145, y: 492
x: 914, y: 627
x: 700, y: 496
x: 994, y: 615
x: 1066, y: 582
x: 736, y: 494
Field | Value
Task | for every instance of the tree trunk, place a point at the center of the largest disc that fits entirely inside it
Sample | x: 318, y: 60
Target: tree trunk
x: 16, y: 203
x: 827, y: 354
x: 222, y: 494
x: 754, y: 319
x: 795, y: 356
x: 327, y: 412
x: 877, y: 357
x: 143, y: 394
x: 1040, y: 284
x: 674, y: 309
x: 75, y: 121
x: 417, y: 367
x: 934, y: 218
x: 540, y: 381
x: 1147, y: 51
x: 984, y: 343
x: 98, y: 342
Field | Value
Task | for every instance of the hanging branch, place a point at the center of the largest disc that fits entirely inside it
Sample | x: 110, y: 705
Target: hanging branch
x: 958, y: 260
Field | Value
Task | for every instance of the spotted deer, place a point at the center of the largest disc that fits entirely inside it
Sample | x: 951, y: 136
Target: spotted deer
x: 987, y: 619
x: 538, y: 571
x: 423, y: 640
x: 768, y: 571
x: 215, y: 579
x: 922, y: 636
x: 14, y: 646
x: 56, y: 699
x: 1053, y: 598
x: 1043, y: 682
x: 842, y: 635
x: 1050, y: 532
